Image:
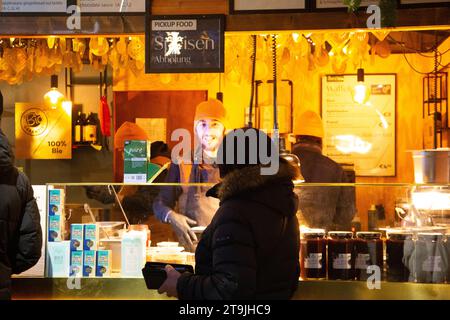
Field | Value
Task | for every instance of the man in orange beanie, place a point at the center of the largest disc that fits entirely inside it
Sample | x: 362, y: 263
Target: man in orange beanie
x: 330, y: 208
x: 184, y: 207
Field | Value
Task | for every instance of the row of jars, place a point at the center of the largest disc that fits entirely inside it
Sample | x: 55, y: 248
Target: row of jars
x: 422, y: 257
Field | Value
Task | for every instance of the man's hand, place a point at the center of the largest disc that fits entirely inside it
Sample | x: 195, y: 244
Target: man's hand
x: 170, y: 285
x: 182, y: 227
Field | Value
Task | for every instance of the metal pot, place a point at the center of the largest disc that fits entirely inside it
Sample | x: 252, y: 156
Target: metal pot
x: 432, y: 166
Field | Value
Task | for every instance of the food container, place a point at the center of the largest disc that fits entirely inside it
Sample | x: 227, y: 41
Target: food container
x: 313, y: 254
x: 431, y: 262
x: 369, y: 252
x: 111, y: 230
x: 341, y: 255
x: 399, y: 248
x: 432, y: 165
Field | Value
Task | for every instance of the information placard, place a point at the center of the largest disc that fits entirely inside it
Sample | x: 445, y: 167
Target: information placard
x: 245, y: 6
x: 184, y: 44
x: 43, y: 133
x: 112, y: 6
x: 362, y: 134
x: 31, y: 6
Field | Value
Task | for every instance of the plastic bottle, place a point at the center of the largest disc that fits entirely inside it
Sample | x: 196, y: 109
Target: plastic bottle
x: 133, y: 253
x: 372, y: 215
x: 356, y: 224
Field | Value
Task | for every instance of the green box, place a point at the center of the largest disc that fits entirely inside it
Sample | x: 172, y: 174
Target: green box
x: 136, y: 158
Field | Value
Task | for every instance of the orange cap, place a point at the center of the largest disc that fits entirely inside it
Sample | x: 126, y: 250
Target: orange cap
x: 128, y: 131
x: 212, y: 109
x: 309, y: 124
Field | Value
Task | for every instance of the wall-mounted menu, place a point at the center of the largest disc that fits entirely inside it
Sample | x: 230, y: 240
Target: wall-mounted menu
x: 24, y: 6
x: 323, y: 4
x: 362, y: 134
x: 112, y: 6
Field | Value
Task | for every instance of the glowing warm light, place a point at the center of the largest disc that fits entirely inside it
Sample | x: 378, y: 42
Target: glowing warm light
x: 331, y: 53
x: 53, y: 98
x: 431, y: 200
x: 361, y: 93
x: 296, y: 37
x: 351, y: 144
x: 345, y: 50
x: 67, y: 107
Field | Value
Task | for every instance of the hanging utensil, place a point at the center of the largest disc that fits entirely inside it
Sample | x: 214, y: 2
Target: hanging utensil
x: 112, y: 190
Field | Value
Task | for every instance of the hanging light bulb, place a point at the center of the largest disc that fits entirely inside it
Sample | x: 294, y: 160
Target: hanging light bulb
x: 53, y: 98
x: 361, y: 92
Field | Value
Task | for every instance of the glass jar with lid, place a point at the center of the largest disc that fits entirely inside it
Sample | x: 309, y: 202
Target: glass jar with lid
x: 369, y: 252
x: 399, y: 248
x: 341, y: 255
x: 431, y: 260
x: 313, y: 252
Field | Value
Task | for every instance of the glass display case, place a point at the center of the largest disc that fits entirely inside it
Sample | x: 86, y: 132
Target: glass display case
x: 358, y: 241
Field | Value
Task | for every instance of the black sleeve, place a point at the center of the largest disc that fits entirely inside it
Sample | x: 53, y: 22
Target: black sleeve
x: 234, y: 267
x: 101, y: 193
x: 168, y: 195
x: 30, y: 236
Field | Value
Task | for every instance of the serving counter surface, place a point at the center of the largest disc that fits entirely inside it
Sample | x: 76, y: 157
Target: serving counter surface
x: 135, y: 289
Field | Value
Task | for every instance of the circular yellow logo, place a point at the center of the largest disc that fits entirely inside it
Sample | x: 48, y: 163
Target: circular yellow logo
x: 34, y: 122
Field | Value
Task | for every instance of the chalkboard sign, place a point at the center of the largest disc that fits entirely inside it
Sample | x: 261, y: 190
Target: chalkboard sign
x: 185, y: 44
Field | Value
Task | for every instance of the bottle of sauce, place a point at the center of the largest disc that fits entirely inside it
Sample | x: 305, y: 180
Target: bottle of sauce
x: 372, y: 217
x: 369, y: 252
x: 341, y: 255
x: 78, y: 132
x: 313, y: 252
x: 90, y: 129
x: 399, y: 248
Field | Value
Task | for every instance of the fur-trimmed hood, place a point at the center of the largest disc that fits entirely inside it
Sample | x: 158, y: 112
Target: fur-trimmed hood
x: 274, y: 191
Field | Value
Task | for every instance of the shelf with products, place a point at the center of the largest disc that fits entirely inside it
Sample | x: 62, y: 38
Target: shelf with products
x: 96, y: 205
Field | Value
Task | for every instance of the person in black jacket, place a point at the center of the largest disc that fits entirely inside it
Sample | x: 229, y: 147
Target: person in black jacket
x: 251, y: 248
x: 20, y: 228
x: 325, y: 207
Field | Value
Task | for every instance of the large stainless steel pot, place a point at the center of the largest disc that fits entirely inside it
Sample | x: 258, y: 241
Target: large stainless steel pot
x: 432, y: 166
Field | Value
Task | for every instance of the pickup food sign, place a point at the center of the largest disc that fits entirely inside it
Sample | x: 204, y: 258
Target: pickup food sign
x: 185, y: 44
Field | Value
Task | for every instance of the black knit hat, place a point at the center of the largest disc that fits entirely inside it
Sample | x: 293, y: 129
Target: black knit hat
x: 243, y: 148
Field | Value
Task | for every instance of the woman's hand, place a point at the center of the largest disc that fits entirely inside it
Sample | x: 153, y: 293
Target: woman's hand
x: 170, y: 285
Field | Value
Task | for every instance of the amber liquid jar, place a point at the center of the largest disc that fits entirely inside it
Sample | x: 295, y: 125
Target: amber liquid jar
x: 369, y: 252
x: 341, y: 255
x: 313, y: 252
x: 399, y: 247
x: 431, y: 265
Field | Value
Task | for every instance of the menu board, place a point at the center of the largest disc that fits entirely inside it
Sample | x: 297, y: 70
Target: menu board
x: 362, y: 134
x: 112, y: 6
x: 43, y: 132
x: 24, y: 6
x: 322, y: 4
x: 423, y: 1
x: 185, y: 44
x: 256, y: 5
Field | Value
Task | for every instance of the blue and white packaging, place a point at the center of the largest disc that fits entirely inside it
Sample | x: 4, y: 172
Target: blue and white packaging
x: 58, y: 259
x: 76, y: 237
x: 54, y: 229
x: 89, y: 265
x: 76, y: 264
x: 104, y: 263
x: 90, y: 237
x: 55, y: 202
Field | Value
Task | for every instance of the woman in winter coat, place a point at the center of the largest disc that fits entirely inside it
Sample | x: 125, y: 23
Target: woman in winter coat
x: 20, y: 227
x: 251, y: 248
